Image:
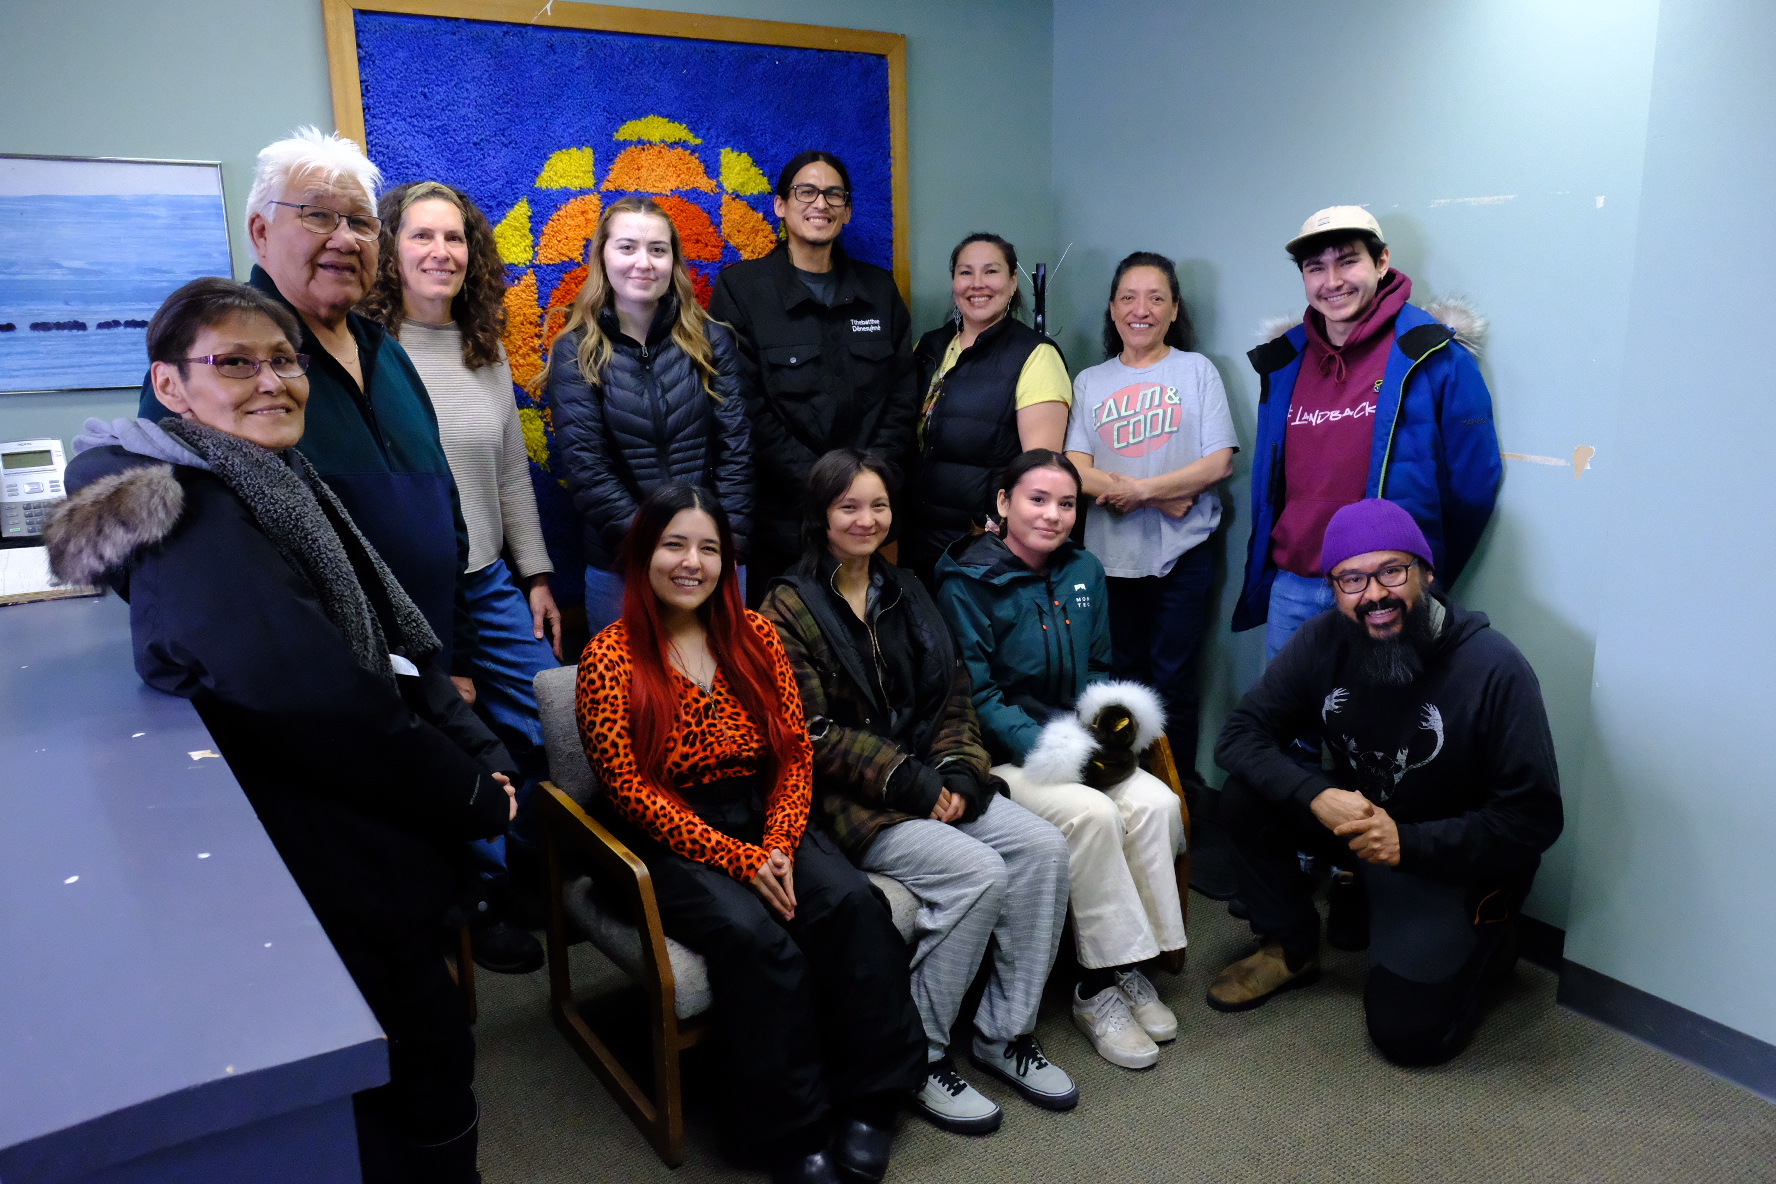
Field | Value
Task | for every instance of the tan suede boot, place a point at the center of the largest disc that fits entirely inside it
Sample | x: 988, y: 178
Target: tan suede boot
x: 1251, y: 981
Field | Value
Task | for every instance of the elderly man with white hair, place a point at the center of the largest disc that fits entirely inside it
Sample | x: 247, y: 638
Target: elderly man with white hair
x: 372, y: 435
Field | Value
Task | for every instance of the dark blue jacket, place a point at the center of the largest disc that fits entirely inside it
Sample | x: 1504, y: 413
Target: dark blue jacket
x: 378, y: 449
x: 1435, y: 450
x: 649, y: 423
x: 1033, y: 642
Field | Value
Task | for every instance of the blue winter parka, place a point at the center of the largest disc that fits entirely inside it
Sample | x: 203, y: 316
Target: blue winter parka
x: 1435, y: 450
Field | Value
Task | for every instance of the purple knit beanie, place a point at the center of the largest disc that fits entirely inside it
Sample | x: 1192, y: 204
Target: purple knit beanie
x: 1373, y: 524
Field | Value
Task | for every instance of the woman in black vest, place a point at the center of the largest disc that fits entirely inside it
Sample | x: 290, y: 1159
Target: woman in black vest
x: 994, y: 388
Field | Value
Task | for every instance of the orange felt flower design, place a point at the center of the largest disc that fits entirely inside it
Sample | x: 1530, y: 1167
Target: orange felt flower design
x: 559, y: 299
x: 695, y: 230
x: 524, y: 330
x: 657, y: 168
x: 747, y: 229
x: 569, y: 229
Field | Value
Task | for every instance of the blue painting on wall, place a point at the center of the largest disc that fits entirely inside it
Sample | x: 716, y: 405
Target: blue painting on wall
x: 544, y: 125
x: 88, y: 250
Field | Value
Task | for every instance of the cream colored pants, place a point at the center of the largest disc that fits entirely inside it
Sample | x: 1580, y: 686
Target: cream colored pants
x: 1120, y: 846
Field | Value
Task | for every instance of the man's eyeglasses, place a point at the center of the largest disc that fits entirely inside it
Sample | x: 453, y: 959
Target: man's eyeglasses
x: 243, y: 366
x: 1352, y: 583
x: 321, y: 220
x: 835, y: 197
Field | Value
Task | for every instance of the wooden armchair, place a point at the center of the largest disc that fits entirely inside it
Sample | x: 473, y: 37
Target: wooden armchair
x: 1158, y: 761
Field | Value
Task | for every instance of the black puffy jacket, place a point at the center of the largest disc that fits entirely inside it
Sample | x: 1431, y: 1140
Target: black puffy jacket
x: 970, y: 436
x: 649, y: 423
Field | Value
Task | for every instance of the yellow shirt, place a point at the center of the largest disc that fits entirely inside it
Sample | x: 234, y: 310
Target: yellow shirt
x: 1042, y: 380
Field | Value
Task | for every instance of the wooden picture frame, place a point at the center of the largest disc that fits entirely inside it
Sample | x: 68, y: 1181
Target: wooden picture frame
x: 348, y: 105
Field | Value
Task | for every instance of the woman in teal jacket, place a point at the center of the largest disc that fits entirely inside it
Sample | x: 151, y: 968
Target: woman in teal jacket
x: 1029, y: 612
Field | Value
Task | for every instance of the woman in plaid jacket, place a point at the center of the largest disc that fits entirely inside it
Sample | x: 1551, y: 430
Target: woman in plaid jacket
x: 902, y: 780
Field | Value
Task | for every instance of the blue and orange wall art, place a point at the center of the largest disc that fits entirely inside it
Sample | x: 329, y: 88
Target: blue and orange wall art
x: 543, y: 125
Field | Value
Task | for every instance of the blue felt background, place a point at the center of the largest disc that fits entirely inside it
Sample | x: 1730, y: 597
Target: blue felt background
x: 482, y: 105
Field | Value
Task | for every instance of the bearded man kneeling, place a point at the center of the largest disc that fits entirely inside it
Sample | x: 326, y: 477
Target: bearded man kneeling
x: 1442, y: 783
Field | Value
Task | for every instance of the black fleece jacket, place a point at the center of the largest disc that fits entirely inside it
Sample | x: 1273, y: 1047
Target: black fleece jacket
x: 1461, y: 759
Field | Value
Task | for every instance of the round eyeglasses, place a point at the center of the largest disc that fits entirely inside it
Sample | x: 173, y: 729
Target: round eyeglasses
x: 244, y: 366
x: 835, y: 197
x: 321, y: 220
x: 1352, y: 583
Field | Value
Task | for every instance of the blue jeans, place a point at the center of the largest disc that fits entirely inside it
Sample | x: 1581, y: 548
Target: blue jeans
x: 1293, y: 601
x: 604, y: 598
x: 508, y: 657
x: 1156, y: 629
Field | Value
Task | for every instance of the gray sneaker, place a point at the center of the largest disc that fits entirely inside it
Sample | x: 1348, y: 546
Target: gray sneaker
x: 953, y: 1105
x: 1020, y: 1064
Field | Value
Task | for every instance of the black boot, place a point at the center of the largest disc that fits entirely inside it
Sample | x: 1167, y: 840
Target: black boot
x: 500, y: 946
x: 861, y: 1150
x: 451, y: 1162
x: 805, y: 1169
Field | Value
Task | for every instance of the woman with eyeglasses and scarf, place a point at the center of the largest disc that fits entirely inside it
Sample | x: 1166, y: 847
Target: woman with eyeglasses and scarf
x: 254, y: 595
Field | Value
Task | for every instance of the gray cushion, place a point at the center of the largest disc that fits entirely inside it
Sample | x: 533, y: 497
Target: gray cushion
x: 586, y: 903
x: 561, y: 734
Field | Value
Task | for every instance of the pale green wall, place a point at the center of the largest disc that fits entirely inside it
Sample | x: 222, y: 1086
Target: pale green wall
x: 1674, y: 888
x: 1482, y: 135
x: 219, y: 79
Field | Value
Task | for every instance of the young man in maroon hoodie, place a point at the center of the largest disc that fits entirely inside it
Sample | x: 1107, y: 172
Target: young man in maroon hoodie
x: 1369, y: 396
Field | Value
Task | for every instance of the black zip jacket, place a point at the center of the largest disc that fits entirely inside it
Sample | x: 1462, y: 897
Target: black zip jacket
x: 1461, y: 759
x: 648, y: 424
x: 819, y: 378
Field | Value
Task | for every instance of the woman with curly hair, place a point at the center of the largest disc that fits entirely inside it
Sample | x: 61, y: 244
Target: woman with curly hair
x: 645, y: 390
x: 438, y: 289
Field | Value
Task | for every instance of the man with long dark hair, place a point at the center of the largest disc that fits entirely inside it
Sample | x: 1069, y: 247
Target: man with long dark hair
x: 1443, y: 788
x: 827, y: 350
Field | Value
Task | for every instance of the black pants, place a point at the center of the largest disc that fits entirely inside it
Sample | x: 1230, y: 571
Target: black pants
x: 811, y: 1015
x: 1436, y: 949
x: 421, y: 1126
x: 1156, y: 628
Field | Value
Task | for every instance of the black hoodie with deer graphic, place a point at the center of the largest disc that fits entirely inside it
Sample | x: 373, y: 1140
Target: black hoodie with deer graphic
x: 1461, y: 757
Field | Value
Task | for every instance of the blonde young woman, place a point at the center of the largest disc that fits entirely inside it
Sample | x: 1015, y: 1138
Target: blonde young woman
x: 645, y: 390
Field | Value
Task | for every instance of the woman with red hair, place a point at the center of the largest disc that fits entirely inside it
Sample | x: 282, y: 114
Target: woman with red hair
x: 690, y: 716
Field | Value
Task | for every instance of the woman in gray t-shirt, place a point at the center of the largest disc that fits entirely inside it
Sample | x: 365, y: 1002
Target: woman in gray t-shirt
x: 1151, y: 436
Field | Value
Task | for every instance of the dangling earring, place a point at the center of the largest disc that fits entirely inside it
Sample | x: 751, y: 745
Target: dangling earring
x: 956, y: 314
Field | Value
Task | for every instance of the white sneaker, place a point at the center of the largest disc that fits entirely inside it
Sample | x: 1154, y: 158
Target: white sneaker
x: 1106, y: 1019
x: 953, y: 1105
x: 1155, y: 1018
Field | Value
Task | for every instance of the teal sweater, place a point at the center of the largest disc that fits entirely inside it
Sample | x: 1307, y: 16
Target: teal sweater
x: 1033, y: 642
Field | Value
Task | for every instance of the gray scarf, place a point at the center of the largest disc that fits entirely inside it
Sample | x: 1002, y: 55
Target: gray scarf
x: 310, y: 528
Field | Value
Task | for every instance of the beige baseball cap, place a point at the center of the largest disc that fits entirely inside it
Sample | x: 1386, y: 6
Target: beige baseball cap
x: 1337, y: 218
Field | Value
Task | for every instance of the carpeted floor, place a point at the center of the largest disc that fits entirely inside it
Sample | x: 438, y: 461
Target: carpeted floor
x: 1289, y: 1092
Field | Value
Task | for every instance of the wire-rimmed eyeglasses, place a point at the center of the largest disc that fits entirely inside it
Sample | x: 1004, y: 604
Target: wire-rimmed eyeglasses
x: 321, y: 220
x: 245, y: 366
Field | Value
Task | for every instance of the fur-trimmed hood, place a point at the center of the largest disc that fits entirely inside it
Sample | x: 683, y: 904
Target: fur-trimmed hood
x: 1456, y: 312
x: 103, y: 525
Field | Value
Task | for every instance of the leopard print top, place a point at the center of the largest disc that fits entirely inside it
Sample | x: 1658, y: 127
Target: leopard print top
x: 715, y: 739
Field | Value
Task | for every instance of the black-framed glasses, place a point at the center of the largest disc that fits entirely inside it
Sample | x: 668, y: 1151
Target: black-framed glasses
x: 321, y: 220
x: 1352, y: 583
x: 835, y: 197
x: 246, y: 366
